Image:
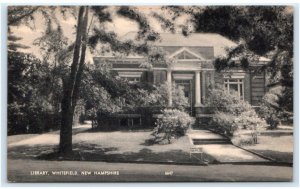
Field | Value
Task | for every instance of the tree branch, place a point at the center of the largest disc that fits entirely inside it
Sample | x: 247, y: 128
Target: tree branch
x: 12, y: 21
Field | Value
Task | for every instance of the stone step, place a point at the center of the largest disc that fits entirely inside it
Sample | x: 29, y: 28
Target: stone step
x: 211, y: 141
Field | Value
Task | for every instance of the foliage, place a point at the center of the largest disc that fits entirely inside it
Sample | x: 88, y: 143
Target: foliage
x: 263, y: 28
x: 101, y: 92
x: 224, y: 101
x: 51, y: 43
x: 270, y: 109
x: 260, y: 31
x: 234, y: 117
x: 172, y: 123
x: 31, y: 106
x: 105, y: 94
x: 159, y: 96
x: 12, y: 43
x: 71, y: 81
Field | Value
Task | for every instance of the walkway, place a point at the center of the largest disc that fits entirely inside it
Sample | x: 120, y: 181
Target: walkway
x: 220, y: 148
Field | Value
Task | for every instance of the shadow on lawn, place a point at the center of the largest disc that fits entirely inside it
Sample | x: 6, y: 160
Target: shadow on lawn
x: 88, y: 152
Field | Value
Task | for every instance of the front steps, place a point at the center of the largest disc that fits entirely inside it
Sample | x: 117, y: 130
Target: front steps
x: 200, y: 141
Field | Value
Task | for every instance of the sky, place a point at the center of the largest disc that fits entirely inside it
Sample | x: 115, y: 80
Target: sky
x: 119, y: 25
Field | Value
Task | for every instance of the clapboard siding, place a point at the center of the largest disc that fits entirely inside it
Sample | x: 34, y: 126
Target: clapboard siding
x: 256, y: 85
x: 257, y: 94
x: 257, y: 98
x: 257, y: 88
x: 258, y: 80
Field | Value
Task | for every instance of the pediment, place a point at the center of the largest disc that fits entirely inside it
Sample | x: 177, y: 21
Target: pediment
x: 186, y: 54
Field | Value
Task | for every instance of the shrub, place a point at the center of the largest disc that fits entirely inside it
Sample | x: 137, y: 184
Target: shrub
x: 234, y: 118
x: 172, y: 123
x: 159, y: 96
x: 224, y: 101
x: 269, y: 108
x: 224, y: 123
x: 247, y: 128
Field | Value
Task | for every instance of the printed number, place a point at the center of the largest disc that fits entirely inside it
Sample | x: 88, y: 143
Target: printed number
x: 168, y: 172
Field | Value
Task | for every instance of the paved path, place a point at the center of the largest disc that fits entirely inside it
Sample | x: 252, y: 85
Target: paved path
x: 222, y: 152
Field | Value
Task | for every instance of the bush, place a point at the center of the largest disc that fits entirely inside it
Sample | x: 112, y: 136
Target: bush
x: 224, y: 101
x: 171, y: 124
x: 159, y: 96
x: 234, y: 118
x: 269, y: 108
x: 224, y: 123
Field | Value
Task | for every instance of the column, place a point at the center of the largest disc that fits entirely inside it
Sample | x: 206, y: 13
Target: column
x: 169, y: 81
x: 203, y: 81
x: 197, y: 89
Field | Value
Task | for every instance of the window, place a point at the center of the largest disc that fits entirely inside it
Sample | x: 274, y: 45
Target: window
x: 236, y: 86
x: 131, y: 77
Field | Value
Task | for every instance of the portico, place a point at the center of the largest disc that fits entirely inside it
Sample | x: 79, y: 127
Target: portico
x: 187, y: 67
x: 196, y: 77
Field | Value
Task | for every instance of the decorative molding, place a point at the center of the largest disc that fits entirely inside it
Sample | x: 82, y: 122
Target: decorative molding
x: 189, y: 51
x: 183, y: 76
x: 235, y: 76
x: 129, y: 69
x: 129, y: 74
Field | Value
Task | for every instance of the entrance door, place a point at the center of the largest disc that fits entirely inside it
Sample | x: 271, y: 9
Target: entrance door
x: 187, y: 89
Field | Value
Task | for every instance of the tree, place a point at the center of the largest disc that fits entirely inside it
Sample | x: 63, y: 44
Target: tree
x: 71, y: 91
x: 71, y: 83
x: 30, y: 109
x: 259, y: 31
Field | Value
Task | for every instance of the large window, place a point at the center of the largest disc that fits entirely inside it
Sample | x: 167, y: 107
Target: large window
x: 131, y: 77
x: 235, y: 86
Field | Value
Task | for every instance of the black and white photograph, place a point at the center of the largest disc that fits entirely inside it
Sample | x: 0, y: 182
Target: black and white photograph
x: 150, y: 93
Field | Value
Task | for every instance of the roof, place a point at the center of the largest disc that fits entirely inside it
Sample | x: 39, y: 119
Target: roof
x: 208, y: 45
x: 218, y: 42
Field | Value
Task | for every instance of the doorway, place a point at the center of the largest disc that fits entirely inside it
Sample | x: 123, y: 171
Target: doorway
x: 186, y: 85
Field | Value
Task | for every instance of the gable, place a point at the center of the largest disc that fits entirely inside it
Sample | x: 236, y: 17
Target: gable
x: 186, y: 54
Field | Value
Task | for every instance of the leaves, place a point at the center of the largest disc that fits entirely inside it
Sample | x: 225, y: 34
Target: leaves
x: 172, y: 123
x: 17, y: 14
x: 101, y: 13
x: 51, y: 43
x: 32, y: 93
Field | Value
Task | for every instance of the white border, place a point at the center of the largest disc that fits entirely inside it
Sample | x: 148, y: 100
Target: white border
x: 3, y: 115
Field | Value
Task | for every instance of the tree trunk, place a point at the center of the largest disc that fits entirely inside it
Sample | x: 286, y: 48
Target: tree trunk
x: 71, y: 87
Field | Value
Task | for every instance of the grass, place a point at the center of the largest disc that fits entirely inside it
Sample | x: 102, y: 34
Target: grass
x: 113, y: 146
x: 20, y: 137
x: 275, y: 145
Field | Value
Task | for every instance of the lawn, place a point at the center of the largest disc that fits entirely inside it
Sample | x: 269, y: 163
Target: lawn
x: 275, y: 144
x: 121, y: 146
x: 20, y: 137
